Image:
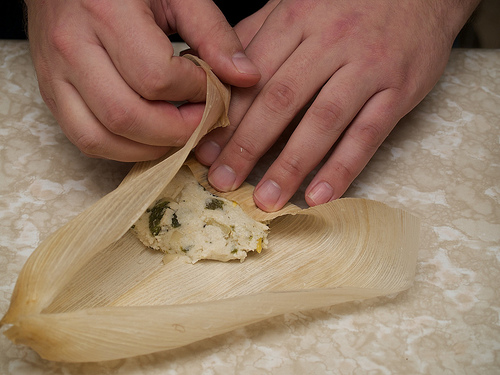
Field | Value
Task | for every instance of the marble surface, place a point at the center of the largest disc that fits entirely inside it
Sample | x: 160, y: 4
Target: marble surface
x: 442, y: 162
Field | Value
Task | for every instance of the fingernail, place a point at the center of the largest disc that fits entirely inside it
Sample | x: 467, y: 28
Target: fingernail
x: 321, y: 193
x: 222, y: 178
x: 243, y: 64
x: 268, y: 194
x: 207, y: 152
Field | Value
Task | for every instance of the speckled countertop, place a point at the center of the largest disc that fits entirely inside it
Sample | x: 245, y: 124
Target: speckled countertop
x: 442, y: 162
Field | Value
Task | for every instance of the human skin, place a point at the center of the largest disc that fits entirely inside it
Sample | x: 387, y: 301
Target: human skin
x: 107, y: 73
x: 106, y: 70
x: 369, y: 63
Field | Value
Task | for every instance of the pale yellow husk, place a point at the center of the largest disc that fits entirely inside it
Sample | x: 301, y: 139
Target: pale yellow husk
x: 93, y: 292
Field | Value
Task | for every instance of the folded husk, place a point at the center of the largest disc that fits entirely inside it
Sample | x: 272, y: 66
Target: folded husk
x: 93, y: 292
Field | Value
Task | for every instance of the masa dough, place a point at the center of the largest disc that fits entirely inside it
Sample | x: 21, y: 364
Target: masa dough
x: 188, y: 220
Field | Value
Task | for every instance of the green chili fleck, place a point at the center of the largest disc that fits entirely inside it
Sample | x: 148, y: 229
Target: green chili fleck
x: 175, y: 221
x: 186, y: 249
x: 214, y: 204
x: 156, y: 215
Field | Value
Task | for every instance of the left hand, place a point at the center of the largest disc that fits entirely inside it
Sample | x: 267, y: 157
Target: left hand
x: 368, y: 62
x: 107, y: 70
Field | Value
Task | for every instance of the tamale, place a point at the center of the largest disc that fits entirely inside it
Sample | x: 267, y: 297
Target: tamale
x: 93, y: 292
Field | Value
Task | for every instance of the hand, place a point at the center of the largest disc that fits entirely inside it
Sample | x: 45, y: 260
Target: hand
x: 106, y: 70
x: 368, y: 62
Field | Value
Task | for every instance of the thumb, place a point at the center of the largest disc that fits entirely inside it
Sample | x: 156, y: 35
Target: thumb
x: 205, y: 29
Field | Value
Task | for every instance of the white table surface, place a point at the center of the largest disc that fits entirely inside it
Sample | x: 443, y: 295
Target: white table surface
x: 442, y: 163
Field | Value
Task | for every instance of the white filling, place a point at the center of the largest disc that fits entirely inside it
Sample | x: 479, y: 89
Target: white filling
x: 188, y: 220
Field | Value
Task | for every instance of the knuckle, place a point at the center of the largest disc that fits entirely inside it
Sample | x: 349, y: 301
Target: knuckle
x: 344, y: 173
x: 89, y: 144
x: 99, y: 10
x: 153, y: 82
x: 280, y: 98
x: 61, y: 39
x: 367, y: 136
x: 327, y: 117
x: 291, y: 165
x: 119, y: 119
x: 400, y: 78
x: 93, y: 5
x: 380, y: 53
x: 245, y: 148
x: 294, y: 12
x: 48, y: 99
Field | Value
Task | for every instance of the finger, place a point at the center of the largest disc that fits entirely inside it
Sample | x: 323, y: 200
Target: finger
x: 211, y: 145
x: 273, y: 109
x: 122, y: 111
x: 85, y: 131
x: 143, y: 54
x: 356, y: 147
x: 203, y: 26
x: 269, y: 53
x: 247, y: 28
x: 335, y: 106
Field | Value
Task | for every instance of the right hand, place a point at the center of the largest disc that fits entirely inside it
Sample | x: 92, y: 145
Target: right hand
x: 360, y: 64
x: 106, y: 70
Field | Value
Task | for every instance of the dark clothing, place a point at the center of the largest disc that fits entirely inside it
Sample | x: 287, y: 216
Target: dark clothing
x: 12, y: 15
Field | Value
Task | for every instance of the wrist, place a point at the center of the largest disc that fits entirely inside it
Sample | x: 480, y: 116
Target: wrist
x: 454, y: 14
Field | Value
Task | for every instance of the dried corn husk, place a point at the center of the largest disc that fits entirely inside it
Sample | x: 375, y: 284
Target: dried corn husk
x: 93, y: 292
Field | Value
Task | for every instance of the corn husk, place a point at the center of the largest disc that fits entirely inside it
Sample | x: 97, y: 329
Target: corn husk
x: 93, y: 292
